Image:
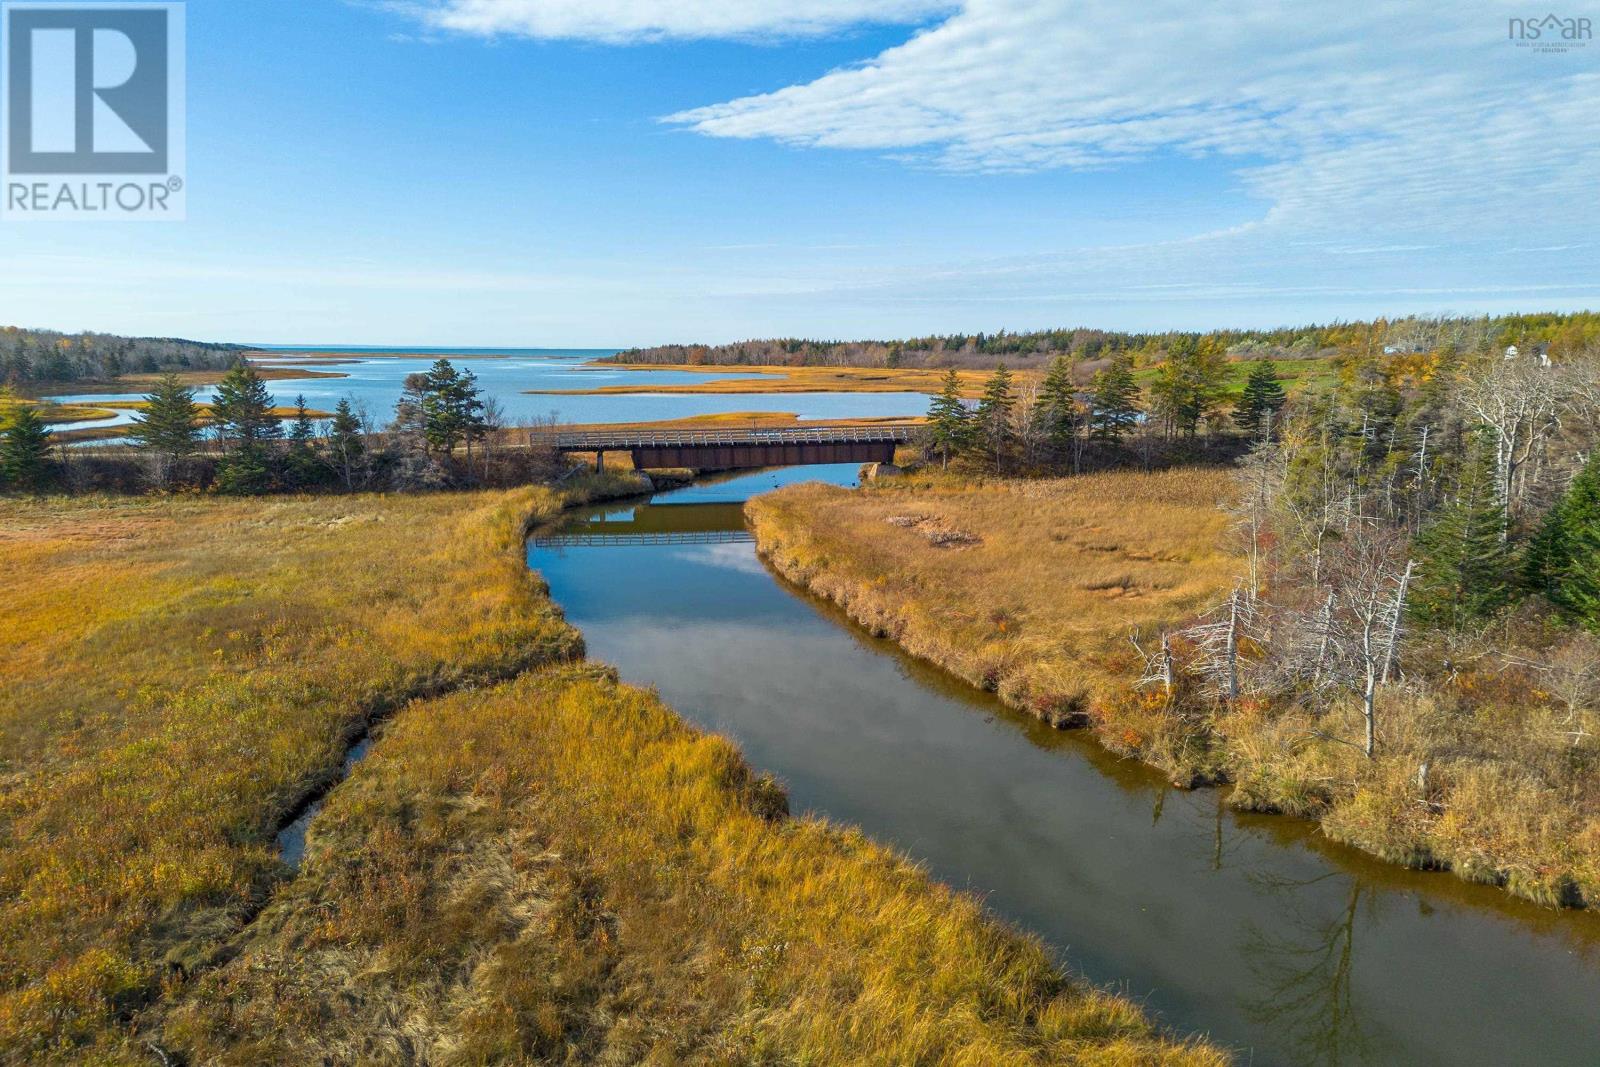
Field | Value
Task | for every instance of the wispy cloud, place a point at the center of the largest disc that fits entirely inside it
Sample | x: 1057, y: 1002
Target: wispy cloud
x: 1396, y: 118
x: 630, y: 21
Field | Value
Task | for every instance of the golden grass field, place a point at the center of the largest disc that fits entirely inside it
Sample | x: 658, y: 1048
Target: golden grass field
x: 780, y: 380
x: 535, y: 863
x: 1031, y: 589
x: 142, y: 382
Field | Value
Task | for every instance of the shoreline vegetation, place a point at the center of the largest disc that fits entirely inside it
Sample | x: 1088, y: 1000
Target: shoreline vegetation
x: 1405, y: 646
x: 1054, y: 594
x: 782, y: 380
x: 533, y: 862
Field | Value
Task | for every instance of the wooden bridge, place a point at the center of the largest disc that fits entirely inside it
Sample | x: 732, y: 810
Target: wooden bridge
x: 728, y: 449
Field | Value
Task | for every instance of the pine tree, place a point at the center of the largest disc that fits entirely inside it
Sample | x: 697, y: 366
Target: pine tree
x: 1058, y: 402
x: 24, y: 448
x: 1113, y: 401
x: 993, y: 417
x: 347, y: 446
x: 949, y: 421
x: 1564, y: 560
x: 1261, y: 400
x: 1463, y: 564
x: 169, y: 426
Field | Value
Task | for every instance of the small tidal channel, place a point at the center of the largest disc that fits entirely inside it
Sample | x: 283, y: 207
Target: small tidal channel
x: 1252, y: 929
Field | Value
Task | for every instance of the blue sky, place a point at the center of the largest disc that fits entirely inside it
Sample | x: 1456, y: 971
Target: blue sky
x: 610, y: 172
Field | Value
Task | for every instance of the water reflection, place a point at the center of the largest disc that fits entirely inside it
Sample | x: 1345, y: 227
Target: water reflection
x: 1303, y: 979
x: 1246, y: 927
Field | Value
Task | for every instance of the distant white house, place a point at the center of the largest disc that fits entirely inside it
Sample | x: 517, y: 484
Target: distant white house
x: 1540, y: 351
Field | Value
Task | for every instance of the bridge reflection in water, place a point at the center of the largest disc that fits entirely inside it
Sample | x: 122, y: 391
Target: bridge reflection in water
x: 656, y: 524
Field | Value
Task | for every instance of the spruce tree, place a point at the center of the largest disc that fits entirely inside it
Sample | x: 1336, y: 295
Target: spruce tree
x: 442, y: 416
x: 1189, y: 385
x: 1113, y: 401
x: 993, y: 417
x: 301, y: 464
x: 1058, y: 401
x: 1564, y: 560
x: 1463, y: 564
x: 1261, y: 400
x: 242, y: 411
x: 243, y: 420
x: 949, y: 421
x: 347, y: 446
x: 465, y: 400
x: 24, y: 448
x: 169, y: 426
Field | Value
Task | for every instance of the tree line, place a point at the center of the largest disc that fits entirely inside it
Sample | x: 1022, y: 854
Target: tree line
x: 1056, y: 425
x: 441, y: 435
x: 438, y: 411
x: 1563, y: 333
x: 30, y: 357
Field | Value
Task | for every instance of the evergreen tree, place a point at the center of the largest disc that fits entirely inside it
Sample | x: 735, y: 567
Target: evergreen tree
x: 1564, y: 560
x: 169, y: 426
x: 993, y: 418
x: 24, y: 448
x: 410, y: 419
x: 1261, y: 400
x: 949, y: 421
x: 302, y: 466
x: 1058, y: 403
x: 1113, y: 401
x: 465, y: 401
x: 347, y: 446
x: 242, y: 414
x: 243, y: 421
x: 1463, y: 565
x: 1189, y: 385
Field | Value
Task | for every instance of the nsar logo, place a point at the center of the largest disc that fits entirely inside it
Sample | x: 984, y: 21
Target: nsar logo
x: 1551, y: 33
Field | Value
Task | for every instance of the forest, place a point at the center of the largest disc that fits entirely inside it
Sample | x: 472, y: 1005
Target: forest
x: 39, y: 357
x: 1409, y: 334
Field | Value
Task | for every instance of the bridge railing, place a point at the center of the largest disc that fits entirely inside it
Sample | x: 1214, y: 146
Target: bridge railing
x: 596, y: 440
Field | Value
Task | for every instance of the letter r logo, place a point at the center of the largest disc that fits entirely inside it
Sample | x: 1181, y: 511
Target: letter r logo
x: 87, y: 89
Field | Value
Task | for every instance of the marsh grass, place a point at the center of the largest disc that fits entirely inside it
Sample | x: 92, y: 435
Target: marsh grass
x: 178, y: 674
x: 560, y: 870
x: 534, y: 863
x: 778, y: 380
x: 1036, y: 598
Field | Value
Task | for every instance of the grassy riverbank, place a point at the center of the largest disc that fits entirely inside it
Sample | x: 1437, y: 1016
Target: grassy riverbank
x: 1031, y: 589
x: 535, y: 863
x: 1028, y: 589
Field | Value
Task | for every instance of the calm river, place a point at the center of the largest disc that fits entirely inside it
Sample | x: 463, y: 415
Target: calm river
x: 1251, y: 929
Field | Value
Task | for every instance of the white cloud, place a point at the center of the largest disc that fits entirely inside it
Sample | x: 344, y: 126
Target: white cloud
x: 625, y: 21
x: 1387, y: 117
